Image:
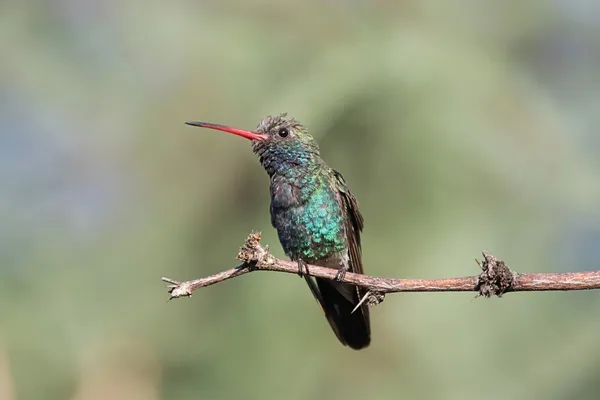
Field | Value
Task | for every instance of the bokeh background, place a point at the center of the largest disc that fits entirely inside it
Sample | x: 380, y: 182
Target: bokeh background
x: 460, y: 126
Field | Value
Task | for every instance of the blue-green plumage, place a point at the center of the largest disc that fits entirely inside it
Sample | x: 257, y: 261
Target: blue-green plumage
x: 308, y: 218
x: 316, y: 217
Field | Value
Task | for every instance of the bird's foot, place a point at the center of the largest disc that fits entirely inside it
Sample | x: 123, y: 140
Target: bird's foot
x: 302, y: 266
x: 341, y: 273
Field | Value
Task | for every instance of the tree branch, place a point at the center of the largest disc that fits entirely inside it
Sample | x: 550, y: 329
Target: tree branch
x: 495, y: 279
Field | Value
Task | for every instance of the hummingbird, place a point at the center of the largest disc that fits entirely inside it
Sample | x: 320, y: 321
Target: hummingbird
x: 316, y: 217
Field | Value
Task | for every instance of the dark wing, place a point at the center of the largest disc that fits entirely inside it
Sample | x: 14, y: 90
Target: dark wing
x: 354, y: 223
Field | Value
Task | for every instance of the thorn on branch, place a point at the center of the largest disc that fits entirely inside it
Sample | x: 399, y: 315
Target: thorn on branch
x: 372, y: 298
x: 495, y: 278
x: 375, y: 298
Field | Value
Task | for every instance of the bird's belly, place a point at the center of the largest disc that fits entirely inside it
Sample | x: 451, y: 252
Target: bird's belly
x: 313, y: 232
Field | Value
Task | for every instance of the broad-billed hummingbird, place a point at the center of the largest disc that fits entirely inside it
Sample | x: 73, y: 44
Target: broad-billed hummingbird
x: 316, y: 217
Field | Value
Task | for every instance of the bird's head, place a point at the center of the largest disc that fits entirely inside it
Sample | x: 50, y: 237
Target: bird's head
x: 279, y: 142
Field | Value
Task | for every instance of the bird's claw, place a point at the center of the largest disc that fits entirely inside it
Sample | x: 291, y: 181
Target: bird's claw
x: 302, y: 266
x: 341, y: 274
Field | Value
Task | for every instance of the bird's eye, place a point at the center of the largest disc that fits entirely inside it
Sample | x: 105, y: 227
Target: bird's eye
x: 283, y: 132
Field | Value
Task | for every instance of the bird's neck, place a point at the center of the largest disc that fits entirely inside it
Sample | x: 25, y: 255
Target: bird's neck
x: 300, y: 164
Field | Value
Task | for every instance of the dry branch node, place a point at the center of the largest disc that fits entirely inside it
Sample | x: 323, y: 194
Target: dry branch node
x: 495, y: 278
x: 372, y: 298
x: 178, y: 289
x: 375, y: 298
x: 253, y: 254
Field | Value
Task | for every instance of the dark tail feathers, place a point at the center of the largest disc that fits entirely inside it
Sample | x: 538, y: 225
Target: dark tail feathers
x: 338, y: 300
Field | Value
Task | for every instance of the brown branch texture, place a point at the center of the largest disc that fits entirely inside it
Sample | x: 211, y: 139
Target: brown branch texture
x: 495, y: 278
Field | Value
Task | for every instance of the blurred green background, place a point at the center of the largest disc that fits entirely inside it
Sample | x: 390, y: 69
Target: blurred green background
x: 460, y: 126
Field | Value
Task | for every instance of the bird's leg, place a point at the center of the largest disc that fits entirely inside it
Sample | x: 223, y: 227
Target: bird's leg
x: 302, y: 266
x: 342, y: 271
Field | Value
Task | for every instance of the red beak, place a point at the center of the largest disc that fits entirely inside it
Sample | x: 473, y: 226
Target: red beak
x: 240, y: 132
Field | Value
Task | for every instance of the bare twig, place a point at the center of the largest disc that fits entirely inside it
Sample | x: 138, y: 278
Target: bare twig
x: 495, y: 279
